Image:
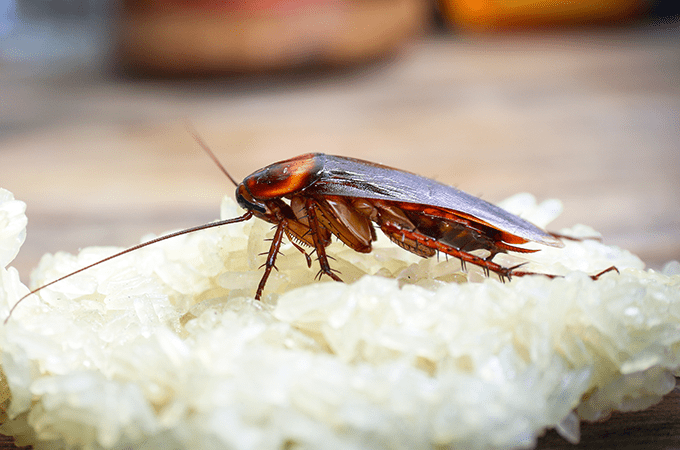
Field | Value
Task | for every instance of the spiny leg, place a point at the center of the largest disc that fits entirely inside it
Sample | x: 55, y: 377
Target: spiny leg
x: 318, y: 245
x: 485, y: 264
x: 519, y: 273
x: 608, y: 269
x: 429, y: 242
x: 292, y: 238
x: 271, y: 256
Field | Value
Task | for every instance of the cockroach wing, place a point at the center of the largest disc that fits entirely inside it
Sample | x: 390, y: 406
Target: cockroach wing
x: 350, y: 177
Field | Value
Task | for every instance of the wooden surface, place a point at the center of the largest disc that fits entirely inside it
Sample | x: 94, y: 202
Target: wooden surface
x: 591, y: 119
x: 655, y: 428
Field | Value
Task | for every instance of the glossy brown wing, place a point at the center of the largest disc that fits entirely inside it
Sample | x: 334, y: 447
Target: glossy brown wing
x: 349, y: 177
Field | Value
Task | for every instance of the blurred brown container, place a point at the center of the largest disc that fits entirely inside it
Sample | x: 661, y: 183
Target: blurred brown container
x: 200, y: 37
x: 488, y: 15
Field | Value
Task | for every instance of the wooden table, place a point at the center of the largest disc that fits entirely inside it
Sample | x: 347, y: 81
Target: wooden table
x: 592, y: 119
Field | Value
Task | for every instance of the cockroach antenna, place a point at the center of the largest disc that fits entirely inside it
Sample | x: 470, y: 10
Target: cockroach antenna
x: 219, y: 223
x: 204, y: 146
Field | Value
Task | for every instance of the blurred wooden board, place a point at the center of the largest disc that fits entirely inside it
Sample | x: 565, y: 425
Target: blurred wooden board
x: 591, y: 119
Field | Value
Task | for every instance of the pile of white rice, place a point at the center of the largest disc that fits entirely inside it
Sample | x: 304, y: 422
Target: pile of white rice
x: 166, y: 348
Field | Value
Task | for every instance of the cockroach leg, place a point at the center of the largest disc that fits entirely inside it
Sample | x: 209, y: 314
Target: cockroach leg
x: 520, y: 273
x: 318, y: 244
x: 510, y: 272
x: 391, y: 230
x: 300, y: 249
x: 464, y: 257
x: 271, y: 256
x: 608, y: 269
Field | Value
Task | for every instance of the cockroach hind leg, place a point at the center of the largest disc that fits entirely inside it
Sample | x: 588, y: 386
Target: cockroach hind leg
x: 608, y: 269
x: 509, y: 272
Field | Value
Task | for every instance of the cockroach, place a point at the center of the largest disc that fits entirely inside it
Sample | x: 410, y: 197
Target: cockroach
x: 315, y: 196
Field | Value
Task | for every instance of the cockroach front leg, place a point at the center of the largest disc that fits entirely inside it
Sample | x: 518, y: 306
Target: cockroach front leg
x: 271, y: 256
x: 318, y: 244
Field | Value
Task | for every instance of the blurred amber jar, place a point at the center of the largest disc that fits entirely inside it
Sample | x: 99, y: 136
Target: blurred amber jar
x: 486, y: 15
x: 207, y: 36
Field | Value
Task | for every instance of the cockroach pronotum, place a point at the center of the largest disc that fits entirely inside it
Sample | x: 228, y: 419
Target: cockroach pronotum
x: 344, y: 197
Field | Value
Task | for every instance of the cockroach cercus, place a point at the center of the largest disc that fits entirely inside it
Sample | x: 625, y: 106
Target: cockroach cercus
x: 344, y: 197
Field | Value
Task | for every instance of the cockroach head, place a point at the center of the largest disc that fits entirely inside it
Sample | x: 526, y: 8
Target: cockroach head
x: 247, y: 202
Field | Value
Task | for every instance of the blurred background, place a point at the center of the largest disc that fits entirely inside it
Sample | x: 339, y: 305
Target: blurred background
x: 578, y: 100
